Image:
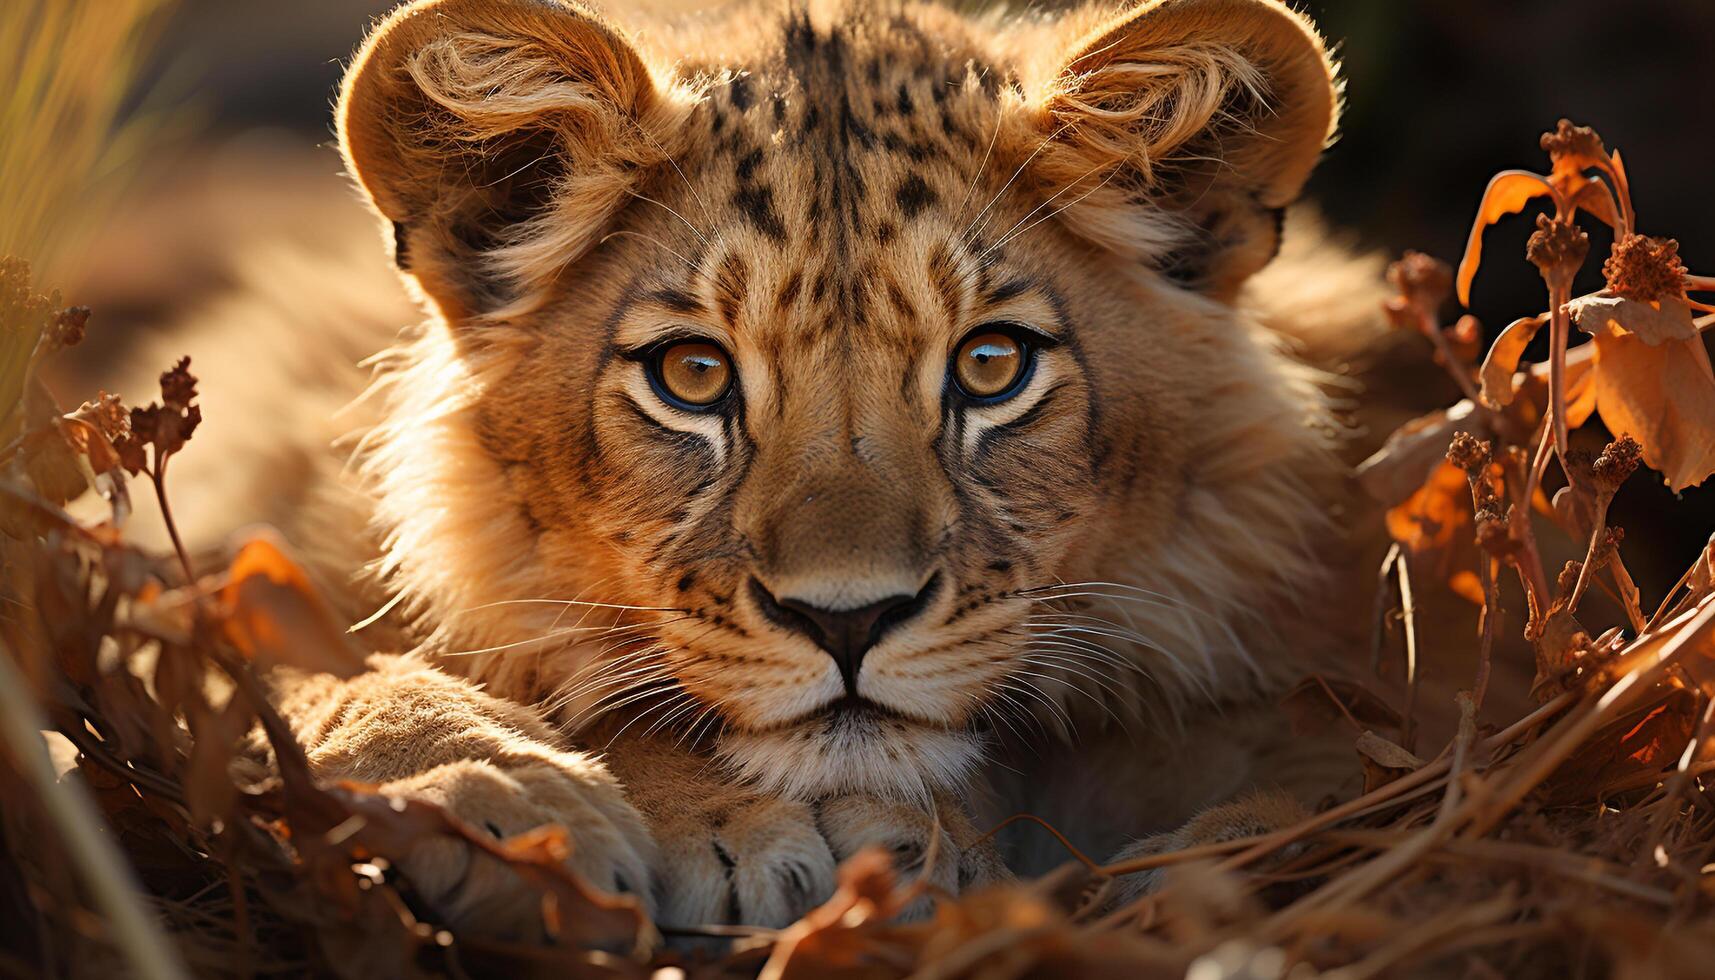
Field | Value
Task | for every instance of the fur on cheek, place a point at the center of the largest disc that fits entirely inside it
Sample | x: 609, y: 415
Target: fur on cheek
x: 457, y: 549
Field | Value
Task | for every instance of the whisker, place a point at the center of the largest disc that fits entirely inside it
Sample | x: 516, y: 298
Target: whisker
x: 1050, y: 138
x: 977, y: 176
x: 577, y: 602
x: 658, y: 243
x: 1016, y: 232
x: 1053, y: 662
x: 701, y: 204
x: 1056, y: 710
x: 1032, y: 213
x: 694, y: 229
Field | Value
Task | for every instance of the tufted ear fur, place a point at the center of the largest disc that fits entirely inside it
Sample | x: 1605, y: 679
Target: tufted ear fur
x: 1214, y: 110
x: 499, y: 137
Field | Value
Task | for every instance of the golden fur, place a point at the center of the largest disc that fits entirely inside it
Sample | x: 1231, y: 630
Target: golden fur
x: 837, y: 194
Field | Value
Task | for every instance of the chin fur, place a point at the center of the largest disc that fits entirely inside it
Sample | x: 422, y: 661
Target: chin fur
x: 852, y: 752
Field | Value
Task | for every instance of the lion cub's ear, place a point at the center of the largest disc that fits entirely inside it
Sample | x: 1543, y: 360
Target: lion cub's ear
x: 500, y: 137
x: 1214, y: 110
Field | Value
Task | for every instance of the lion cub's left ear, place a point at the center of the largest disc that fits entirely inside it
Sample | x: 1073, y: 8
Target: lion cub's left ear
x: 1210, y: 111
x: 500, y: 137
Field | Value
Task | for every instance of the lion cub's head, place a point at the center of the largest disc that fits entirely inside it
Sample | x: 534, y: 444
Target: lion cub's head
x: 847, y: 384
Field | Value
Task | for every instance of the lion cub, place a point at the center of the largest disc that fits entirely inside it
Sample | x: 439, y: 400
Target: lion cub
x: 835, y: 425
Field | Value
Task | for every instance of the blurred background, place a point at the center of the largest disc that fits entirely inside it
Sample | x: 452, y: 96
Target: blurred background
x: 1440, y: 94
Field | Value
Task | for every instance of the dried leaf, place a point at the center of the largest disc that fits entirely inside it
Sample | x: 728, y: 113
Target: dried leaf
x: 1435, y: 526
x: 1503, y: 359
x: 273, y: 615
x: 1508, y: 193
x: 1648, y: 740
x: 1595, y: 198
x: 1653, y: 323
x: 1408, y: 457
x: 1664, y: 397
x: 1385, y: 753
x: 829, y: 941
x: 1580, y: 393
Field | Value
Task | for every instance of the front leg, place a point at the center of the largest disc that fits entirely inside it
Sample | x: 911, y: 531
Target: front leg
x: 1226, y: 774
x: 729, y: 855
x: 421, y: 734
x: 1259, y: 812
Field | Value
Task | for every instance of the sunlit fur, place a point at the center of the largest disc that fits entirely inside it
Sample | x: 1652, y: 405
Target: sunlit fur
x: 838, y: 195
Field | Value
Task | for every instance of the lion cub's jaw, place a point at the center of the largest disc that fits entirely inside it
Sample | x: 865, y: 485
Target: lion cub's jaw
x: 837, y: 566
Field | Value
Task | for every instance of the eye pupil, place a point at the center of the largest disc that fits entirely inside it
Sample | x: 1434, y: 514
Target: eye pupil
x: 693, y: 373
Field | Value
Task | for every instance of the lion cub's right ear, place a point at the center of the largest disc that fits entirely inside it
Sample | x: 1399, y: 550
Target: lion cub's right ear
x: 500, y: 137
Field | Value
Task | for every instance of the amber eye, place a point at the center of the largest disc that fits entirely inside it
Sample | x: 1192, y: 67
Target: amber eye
x: 693, y: 374
x: 990, y: 365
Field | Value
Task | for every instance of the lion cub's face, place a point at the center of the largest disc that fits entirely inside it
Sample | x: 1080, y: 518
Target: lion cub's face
x: 833, y: 363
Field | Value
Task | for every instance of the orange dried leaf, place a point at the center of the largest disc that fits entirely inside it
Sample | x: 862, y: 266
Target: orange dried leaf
x: 1662, y: 395
x: 273, y: 615
x: 1435, y: 527
x: 1466, y: 585
x: 1645, y: 741
x: 1429, y: 518
x: 1580, y: 395
x: 1503, y: 359
x: 1395, y: 471
x: 830, y: 940
x: 1652, y: 322
x: 1508, y: 193
x: 1594, y: 197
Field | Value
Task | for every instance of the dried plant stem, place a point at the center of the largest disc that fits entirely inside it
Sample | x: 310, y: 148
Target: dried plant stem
x: 158, y: 476
x: 1408, y: 616
x: 1378, y: 615
x: 1444, y: 352
x: 1585, y: 720
x: 1668, y: 808
x: 1530, y: 570
x: 1071, y: 848
x: 1667, y: 602
x: 1431, y: 933
x: 1560, y: 330
x: 1491, y: 615
x: 1590, y: 870
x: 1401, y: 857
x: 1630, y: 599
x: 1384, y: 794
x: 1598, y: 525
x: 1251, y: 848
x: 70, y: 809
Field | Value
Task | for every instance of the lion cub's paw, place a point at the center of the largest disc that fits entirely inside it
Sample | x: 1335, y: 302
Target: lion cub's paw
x: 1260, y: 812
x: 610, y: 847
x: 763, y: 861
x: 744, y: 859
x: 942, y: 845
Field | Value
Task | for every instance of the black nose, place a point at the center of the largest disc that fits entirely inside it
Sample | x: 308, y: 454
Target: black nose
x: 846, y: 634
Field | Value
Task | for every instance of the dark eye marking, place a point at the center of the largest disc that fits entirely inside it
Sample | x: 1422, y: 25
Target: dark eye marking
x: 676, y: 300
x: 1015, y: 428
x: 1009, y: 289
x: 651, y: 422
